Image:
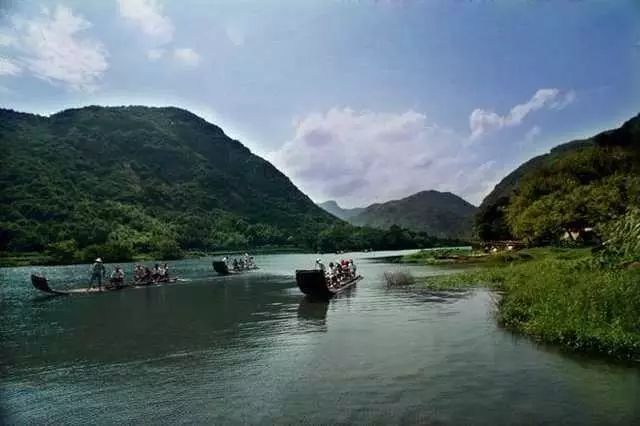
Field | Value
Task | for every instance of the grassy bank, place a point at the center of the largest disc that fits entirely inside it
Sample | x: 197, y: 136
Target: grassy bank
x: 559, y: 296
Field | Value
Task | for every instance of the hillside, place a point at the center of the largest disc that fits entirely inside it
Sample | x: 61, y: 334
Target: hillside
x: 578, y: 184
x: 344, y: 214
x: 140, y: 179
x: 441, y: 214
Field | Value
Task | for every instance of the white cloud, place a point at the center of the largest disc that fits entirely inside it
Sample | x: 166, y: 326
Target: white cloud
x: 362, y: 156
x: 533, y: 133
x: 235, y: 35
x: 50, y: 48
x: 565, y: 100
x: 187, y: 56
x: 9, y: 67
x: 483, y: 121
x: 155, y: 54
x: 7, y: 40
x: 148, y: 15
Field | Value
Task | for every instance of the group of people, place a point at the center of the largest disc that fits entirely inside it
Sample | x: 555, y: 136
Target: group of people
x: 338, y: 272
x: 141, y: 274
x: 238, y: 264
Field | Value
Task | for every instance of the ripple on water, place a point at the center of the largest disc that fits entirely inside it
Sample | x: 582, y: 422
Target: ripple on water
x: 250, y: 349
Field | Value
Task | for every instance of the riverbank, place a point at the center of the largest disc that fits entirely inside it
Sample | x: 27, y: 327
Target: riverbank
x: 559, y: 296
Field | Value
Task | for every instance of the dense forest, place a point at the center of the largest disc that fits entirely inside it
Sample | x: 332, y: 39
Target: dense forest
x: 126, y: 181
x: 582, y: 184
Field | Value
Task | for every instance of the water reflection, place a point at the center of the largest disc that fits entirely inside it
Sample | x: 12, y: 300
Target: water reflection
x: 252, y: 349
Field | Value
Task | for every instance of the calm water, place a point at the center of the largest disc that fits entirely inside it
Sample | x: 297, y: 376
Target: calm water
x: 250, y: 349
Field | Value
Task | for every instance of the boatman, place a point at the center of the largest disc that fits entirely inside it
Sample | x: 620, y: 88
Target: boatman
x: 320, y: 265
x: 98, y: 271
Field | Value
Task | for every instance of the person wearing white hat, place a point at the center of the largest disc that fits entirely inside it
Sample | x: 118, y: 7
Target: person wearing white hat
x: 320, y: 264
x: 98, y: 272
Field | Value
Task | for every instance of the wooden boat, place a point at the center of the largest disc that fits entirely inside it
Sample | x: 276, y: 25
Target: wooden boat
x: 313, y: 283
x: 42, y: 284
x: 222, y: 268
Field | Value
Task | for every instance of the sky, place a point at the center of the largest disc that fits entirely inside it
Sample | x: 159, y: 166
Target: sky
x: 358, y: 101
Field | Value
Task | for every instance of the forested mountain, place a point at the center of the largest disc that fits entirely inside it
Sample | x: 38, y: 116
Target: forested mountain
x: 126, y: 181
x: 584, y: 183
x: 141, y: 179
x: 441, y: 214
x: 344, y: 214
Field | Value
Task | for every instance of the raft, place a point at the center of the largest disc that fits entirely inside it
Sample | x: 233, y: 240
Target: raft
x: 313, y: 283
x: 42, y: 284
x: 223, y: 269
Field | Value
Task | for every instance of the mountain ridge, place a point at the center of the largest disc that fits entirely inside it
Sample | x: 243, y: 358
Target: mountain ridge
x: 159, y: 170
x: 600, y: 156
x: 441, y: 214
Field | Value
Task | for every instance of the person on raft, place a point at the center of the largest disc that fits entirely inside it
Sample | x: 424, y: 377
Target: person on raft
x: 117, y: 276
x: 98, y: 272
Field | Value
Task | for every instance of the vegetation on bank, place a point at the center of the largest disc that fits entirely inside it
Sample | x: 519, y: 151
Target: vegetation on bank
x: 578, y: 185
x: 583, y: 299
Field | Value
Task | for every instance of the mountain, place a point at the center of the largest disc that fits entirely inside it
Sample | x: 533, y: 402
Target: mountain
x: 441, y: 214
x: 582, y: 183
x: 344, y: 214
x: 140, y: 179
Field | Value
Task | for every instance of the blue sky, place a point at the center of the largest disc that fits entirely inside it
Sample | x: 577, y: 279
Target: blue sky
x: 358, y: 101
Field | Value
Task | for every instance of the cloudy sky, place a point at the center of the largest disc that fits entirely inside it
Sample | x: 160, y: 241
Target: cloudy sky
x: 355, y: 100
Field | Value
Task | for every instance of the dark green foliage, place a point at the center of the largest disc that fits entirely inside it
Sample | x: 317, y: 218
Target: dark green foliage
x: 441, y: 214
x: 129, y: 181
x: 133, y: 180
x: 63, y: 251
x: 622, y: 240
x: 580, y: 184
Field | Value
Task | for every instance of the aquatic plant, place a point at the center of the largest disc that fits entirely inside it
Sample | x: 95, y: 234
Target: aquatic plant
x: 398, y: 279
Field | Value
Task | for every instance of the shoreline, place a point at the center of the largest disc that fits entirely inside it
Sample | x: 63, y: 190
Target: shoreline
x: 554, y: 296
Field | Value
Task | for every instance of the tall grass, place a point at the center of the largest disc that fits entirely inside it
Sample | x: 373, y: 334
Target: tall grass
x: 563, y: 297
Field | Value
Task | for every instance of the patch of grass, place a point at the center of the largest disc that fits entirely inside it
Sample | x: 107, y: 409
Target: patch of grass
x: 464, y: 256
x: 398, y: 279
x: 559, y: 296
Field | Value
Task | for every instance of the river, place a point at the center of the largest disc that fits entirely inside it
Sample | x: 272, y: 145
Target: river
x: 251, y: 349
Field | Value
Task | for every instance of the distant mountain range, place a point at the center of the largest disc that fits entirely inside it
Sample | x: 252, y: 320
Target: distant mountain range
x: 441, y: 214
x: 345, y: 214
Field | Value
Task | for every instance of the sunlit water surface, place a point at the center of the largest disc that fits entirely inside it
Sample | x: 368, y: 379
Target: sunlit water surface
x: 251, y: 349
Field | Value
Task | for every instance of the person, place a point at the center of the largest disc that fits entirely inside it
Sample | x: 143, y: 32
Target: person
x: 98, y: 272
x: 117, y: 276
x: 236, y: 266
x: 165, y: 271
x: 320, y: 265
x: 146, y: 275
x: 155, y: 272
x: 161, y: 272
x: 333, y: 274
x: 352, y: 268
x: 138, y: 273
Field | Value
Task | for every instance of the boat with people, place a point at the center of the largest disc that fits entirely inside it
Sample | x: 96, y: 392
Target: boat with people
x: 228, y: 266
x: 142, y: 277
x: 42, y: 284
x: 323, y: 284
